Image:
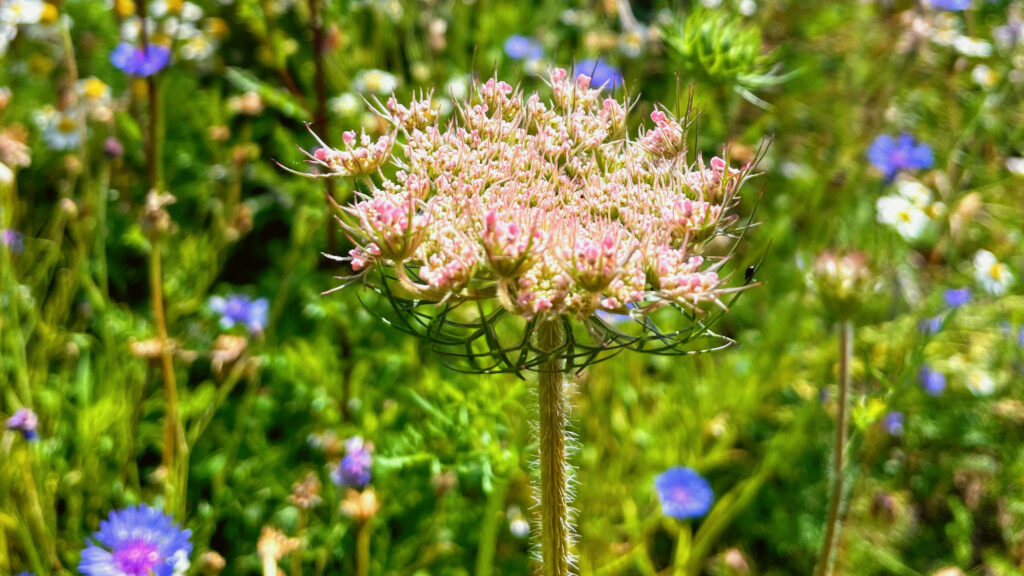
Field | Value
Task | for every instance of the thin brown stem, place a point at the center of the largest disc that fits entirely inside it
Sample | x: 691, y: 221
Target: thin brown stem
x: 833, y: 526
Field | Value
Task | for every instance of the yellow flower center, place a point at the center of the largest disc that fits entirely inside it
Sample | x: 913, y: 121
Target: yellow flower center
x: 49, y: 15
x: 66, y: 124
x: 94, y: 88
x: 997, y: 271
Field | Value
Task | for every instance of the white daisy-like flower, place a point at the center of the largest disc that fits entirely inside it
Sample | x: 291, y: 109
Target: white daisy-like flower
x: 198, y: 47
x: 748, y: 7
x: 918, y: 194
x: 984, y: 76
x: 7, y: 33
x: 345, y: 105
x: 60, y: 129
x: 896, y: 211
x: 633, y: 41
x: 376, y: 82
x: 16, y: 12
x: 972, y: 47
x: 993, y: 276
x: 1015, y: 165
x: 980, y: 383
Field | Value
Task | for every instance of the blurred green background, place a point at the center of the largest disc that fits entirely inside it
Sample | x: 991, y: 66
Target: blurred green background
x: 453, y: 454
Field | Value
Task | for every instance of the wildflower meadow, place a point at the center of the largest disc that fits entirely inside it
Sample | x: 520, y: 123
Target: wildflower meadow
x: 488, y: 287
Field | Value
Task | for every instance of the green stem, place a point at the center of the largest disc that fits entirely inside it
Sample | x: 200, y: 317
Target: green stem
x: 489, y: 531
x: 683, y: 549
x: 363, y: 549
x: 833, y: 526
x: 556, y: 529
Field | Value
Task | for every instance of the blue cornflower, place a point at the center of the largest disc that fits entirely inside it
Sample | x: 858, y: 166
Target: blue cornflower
x: 1020, y: 337
x: 957, y: 297
x: 354, y: 469
x: 893, y: 423
x: 14, y: 240
x: 26, y: 574
x: 950, y: 5
x: 133, y: 60
x: 240, y: 309
x: 523, y: 48
x: 138, y: 541
x: 891, y: 155
x: 932, y: 382
x: 931, y: 325
x: 683, y: 493
x: 25, y: 422
x: 602, y: 75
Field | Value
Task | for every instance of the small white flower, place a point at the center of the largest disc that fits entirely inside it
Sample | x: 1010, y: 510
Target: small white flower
x: 993, y: 276
x: 918, y: 194
x: 198, y: 47
x: 633, y: 41
x: 457, y: 88
x: 972, y: 47
x: 896, y: 211
x: 191, y: 12
x: 60, y: 129
x: 15, y: 12
x: 980, y: 383
x: 984, y: 76
x: 748, y: 7
x: 376, y: 82
x: 6, y: 175
x: 1015, y: 165
x: 346, y: 105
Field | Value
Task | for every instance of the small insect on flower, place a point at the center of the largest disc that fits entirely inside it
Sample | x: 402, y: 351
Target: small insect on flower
x: 25, y: 422
x: 683, y: 493
x: 892, y: 155
x: 137, y: 541
x: 133, y: 60
x: 239, y: 309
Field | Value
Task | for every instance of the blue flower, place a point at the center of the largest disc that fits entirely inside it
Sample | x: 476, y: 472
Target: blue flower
x: 133, y: 60
x: 933, y: 382
x: 523, y: 48
x: 957, y: 297
x: 950, y: 5
x: 26, y: 574
x: 13, y: 239
x: 1020, y: 337
x: 240, y: 309
x: 354, y: 470
x: 931, y: 325
x: 138, y: 541
x: 891, y: 155
x: 893, y: 423
x: 601, y: 75
x: 25, y: 422
x: 683, y: 493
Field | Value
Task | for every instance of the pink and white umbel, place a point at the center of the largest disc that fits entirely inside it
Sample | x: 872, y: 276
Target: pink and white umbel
x: 547, y: 206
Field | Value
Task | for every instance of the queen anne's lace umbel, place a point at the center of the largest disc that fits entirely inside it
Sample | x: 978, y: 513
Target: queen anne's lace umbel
x: 550, y: 208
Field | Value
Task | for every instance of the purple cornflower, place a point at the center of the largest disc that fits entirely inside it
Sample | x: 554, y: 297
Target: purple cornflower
x: 25, y: 422
x: 240, y: 309
x: 683, y: 493
x: 891, y: 155
x: 931, y: 325
x: 523, y: 48
x: 601, y: 75
x: 893, y: 423
x: 950, y: 5
x: 932, y: 382
x: 133, y: 60
x: 138, y: 541
x: 13, y: 239
x: 354, y: 469
x: 957, y: 297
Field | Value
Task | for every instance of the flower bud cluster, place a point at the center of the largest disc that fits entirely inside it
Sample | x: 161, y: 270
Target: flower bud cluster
x: 548, y: 206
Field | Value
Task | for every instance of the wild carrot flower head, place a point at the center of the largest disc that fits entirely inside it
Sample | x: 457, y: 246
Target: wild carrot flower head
x: 138, y: 541
x: 538, y: 210
x: 683, y: 493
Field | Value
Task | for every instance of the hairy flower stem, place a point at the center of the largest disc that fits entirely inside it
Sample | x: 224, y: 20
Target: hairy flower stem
x: 556, y: 530
x: 826, y: 562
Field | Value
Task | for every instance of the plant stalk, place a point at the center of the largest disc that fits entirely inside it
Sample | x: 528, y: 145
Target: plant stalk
x: 363, y: 549
x: 833, y: 526
x: 556, y: 529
